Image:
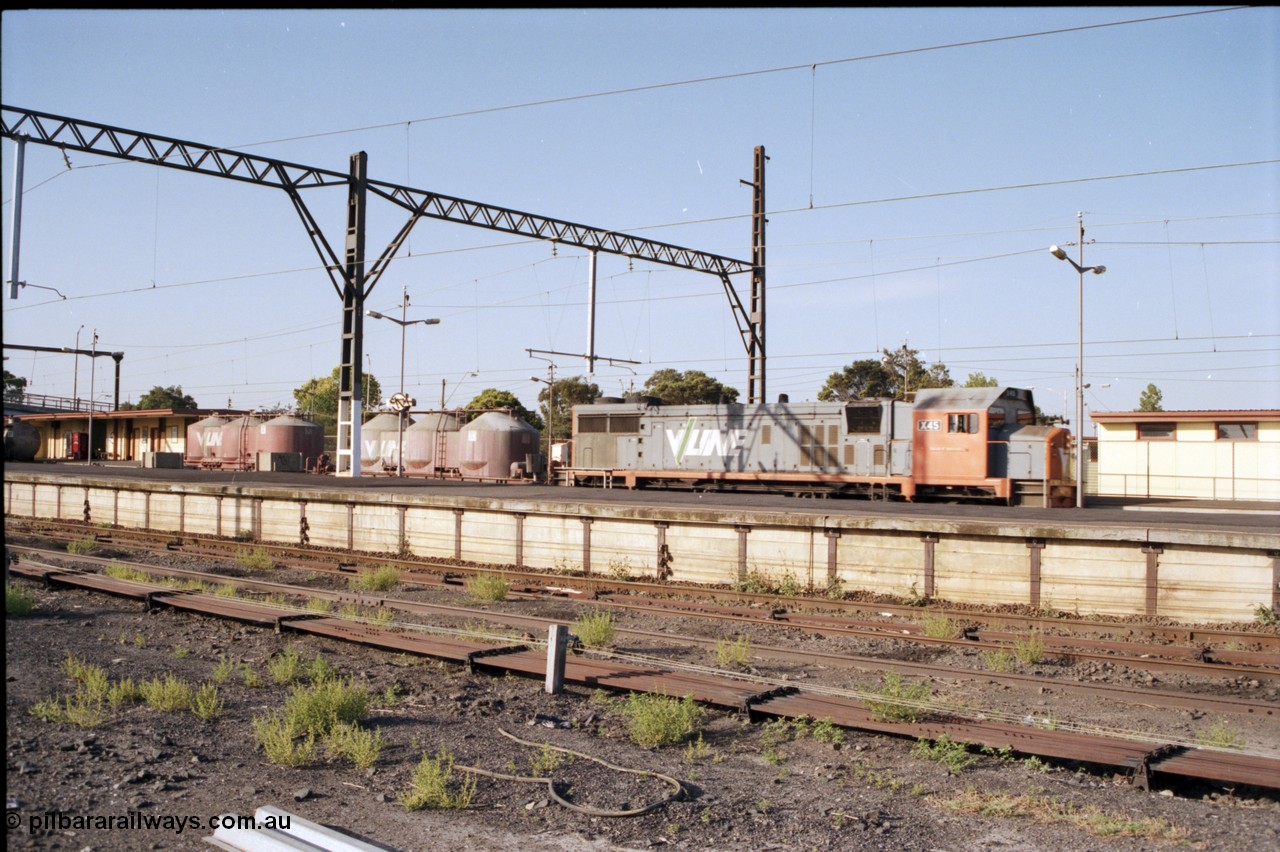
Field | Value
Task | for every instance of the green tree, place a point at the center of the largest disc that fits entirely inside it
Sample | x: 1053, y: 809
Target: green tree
x: 692, y: 387
x: 865, y: 379
x: 980, y: 380
x: 318, y: 398
x: 491, y: 398
x: 897, y: 373
x: 170, y: 397
x: 911, y: 374
x: 567, y: 394
x: 1151, y: 399
x: 15, y: 387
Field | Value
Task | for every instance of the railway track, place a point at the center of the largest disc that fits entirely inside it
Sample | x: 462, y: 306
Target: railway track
x: 1191, y: 650
x: 718, y: 688
x: 538, y: 626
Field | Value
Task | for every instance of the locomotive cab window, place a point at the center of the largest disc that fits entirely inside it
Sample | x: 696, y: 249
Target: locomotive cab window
x: 962, y: 424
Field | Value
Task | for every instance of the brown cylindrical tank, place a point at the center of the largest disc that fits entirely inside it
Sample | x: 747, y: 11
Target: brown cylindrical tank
x: 287, y: 434
x: 240, y: 442
x: 379, y: 439
x: 490, y: 444
x: 21, y: 441
x: 431, y: 443
x: 204, y: 437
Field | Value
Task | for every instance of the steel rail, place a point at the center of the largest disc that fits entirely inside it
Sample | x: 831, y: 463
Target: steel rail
x: 792, y: 702
x: 603, y: 587
x: 1129, y: 695
x: 1147, y: 658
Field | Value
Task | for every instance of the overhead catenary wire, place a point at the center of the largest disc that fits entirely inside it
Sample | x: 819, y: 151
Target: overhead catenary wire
x: 497, y: 305
x: 745, y: 74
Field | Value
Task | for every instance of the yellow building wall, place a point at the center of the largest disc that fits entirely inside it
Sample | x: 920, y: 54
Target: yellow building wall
x: 1195, y: 464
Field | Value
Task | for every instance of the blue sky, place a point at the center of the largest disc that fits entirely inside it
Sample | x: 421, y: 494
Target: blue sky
x: 921, y: 162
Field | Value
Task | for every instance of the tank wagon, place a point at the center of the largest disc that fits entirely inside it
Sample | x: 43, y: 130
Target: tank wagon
x: 248, y: 443
x: 957, y: 444
x: 21, y: 441
x: 497, y: 445
x: 204, y: 441
x: 431, y: 444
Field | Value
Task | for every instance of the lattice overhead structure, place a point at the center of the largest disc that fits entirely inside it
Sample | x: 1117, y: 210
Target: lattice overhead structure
x: 347, y: 272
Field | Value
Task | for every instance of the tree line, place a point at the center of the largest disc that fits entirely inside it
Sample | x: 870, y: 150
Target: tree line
x: 895, y: 375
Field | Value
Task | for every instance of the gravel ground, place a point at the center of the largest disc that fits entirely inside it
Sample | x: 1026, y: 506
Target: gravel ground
x: 746, y: 786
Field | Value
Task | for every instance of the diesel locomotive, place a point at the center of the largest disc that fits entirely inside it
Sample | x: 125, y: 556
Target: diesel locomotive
x: 952, y: 444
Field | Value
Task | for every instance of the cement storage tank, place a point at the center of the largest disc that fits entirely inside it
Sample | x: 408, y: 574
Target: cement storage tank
x: 495, y: 444
x: 288, y: 435
x: 21, y: 441
x: 431, y: 444
x: 204, y: 437
x: 379, y: 441
x: 239, y: 437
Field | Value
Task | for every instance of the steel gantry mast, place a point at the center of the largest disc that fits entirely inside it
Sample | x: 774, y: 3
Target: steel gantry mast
x: 352, y: 279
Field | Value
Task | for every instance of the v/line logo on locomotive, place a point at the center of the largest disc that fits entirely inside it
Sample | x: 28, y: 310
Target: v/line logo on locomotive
x: 704, y: 442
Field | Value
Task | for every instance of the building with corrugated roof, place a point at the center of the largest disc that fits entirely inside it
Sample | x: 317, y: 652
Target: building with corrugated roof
x: 117, y: 435
x: 1206, y: 455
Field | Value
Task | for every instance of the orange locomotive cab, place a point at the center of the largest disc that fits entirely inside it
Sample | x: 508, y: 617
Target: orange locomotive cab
x: 949, y: 448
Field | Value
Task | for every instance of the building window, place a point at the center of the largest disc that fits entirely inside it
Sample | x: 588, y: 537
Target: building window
x: 1237, y: 431
x: 1155, y: 431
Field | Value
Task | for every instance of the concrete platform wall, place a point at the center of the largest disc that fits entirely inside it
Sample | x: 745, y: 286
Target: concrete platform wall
x: 1195, y: 577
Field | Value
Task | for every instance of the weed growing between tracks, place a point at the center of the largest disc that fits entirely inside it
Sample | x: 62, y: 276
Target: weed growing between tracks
x: 596, y: 628
x: 488, y: 587
x: 749, y: 785
x: 1046, y: 810
x: 18, y: 602
x: 898, y: 701
x: 381, y: 579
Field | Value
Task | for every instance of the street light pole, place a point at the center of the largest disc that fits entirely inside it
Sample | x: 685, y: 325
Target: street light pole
x: 93, y: 363
x: 401, y: 402
x: 1081, y: 269
x: 75, y: 383
x: 404, y: 308
x: 551, y: 407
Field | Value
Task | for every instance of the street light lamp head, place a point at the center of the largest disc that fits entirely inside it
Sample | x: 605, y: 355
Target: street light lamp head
x: 1057, y: 252
x: 1098, y: 270
x: 432, y: 321
x: 375, y: 314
